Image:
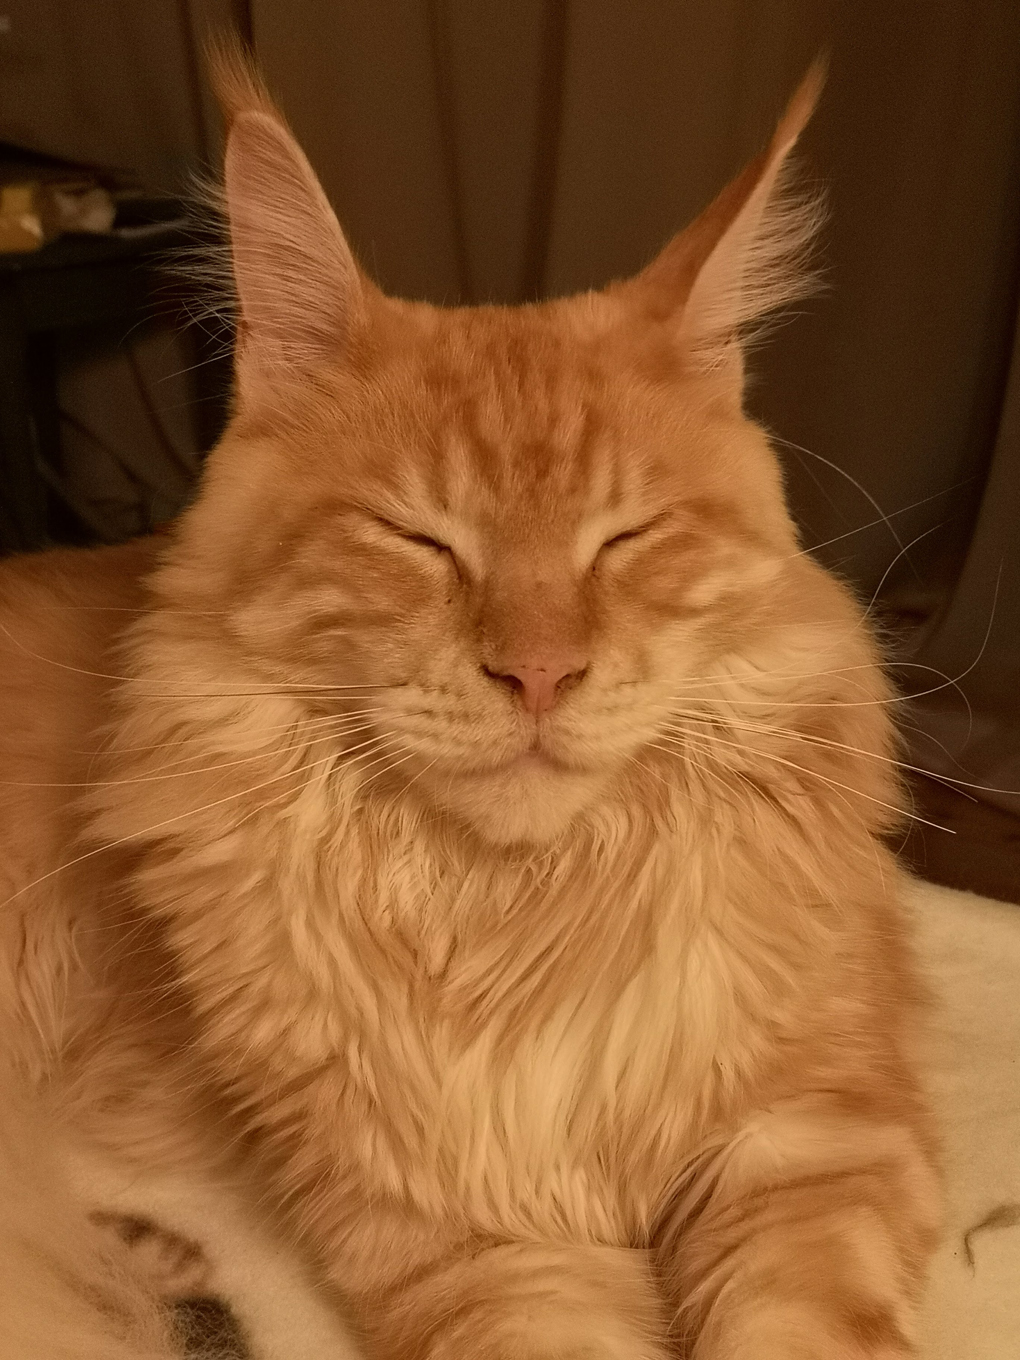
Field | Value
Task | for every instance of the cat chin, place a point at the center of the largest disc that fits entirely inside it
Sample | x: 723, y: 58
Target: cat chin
x: 532, y: 806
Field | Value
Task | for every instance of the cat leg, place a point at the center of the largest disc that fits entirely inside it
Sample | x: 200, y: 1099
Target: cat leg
x: 805, y: 1238
x: 232, y: 1251
x: 527, y: 1301
x: 64, y: 1295
x: 171, y: 1266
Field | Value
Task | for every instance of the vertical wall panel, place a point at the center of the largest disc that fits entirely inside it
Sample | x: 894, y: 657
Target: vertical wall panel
x: 104, y: 81
x: 357, y: 82
x: 491, y: 60
x: 662, y: 104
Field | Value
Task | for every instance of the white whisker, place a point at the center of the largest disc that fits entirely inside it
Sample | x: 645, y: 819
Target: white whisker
x: 709, y: 739
x: 134, y: 836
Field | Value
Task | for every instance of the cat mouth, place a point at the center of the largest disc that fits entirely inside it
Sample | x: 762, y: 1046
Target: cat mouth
x: 535, y: 760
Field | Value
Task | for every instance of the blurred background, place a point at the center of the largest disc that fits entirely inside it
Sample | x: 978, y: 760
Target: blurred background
x: 506, y: 150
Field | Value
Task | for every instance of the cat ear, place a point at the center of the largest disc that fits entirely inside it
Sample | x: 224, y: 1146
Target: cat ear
x: 741, y: 259
x: 300, y: 295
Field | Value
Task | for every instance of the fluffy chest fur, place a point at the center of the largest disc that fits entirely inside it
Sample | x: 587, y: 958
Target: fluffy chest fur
x: 508, y: 1041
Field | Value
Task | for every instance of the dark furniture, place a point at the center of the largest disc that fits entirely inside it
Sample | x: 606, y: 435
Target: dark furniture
x: 120, y: 279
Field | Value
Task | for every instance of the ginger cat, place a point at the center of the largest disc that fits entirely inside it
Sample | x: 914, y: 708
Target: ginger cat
x: 467, y: 826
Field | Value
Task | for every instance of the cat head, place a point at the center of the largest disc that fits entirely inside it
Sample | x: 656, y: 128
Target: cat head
x: 506, y: 535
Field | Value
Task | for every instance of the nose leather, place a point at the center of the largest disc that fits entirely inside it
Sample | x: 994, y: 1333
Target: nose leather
x: 539, y: 683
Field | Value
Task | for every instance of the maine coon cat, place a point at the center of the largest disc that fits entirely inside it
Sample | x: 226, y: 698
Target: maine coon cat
x: 467, y: 826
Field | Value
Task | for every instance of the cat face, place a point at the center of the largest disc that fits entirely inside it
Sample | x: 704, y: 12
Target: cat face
x: 505, y: 535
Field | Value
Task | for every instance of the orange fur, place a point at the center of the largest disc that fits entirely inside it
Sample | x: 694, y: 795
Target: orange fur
x: 586, y: 1032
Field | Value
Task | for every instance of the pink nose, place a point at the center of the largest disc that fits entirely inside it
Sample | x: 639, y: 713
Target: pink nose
x: 539, y: 684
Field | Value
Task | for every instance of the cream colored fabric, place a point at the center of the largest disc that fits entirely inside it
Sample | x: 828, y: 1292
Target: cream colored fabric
x: 970, y: 947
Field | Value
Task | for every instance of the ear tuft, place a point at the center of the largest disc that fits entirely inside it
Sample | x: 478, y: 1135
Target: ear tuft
x: 744, y: 257
x: 235, y: 80
x: 300, y: 294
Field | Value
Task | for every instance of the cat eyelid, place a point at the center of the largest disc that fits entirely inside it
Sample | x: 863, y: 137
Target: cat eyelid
x: 638, y: 531
x: 424, y: 541
x: 412, y: 536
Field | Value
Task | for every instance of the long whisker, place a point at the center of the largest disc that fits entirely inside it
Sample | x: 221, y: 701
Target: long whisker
x: 904, y: 510
x: 950, y: 781
x: 707, y: 682
x: 421, y: 772
x: 813, y: 739
x: 139, y: 609
x: 709, y: 740
x: 723, y: 678
x: 889, y: 569
x: 334, y: 757
x: 684, y: 756
x: 883, y: 517
x: 709, y: 774
x: 203, y: 737
x: 334, y: 726
x: 259, y: 689
x: 704, y: 746
x: 166, y: 772
x: 386, y: 768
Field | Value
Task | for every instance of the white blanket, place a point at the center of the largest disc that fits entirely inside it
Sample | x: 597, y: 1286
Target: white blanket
x: 971, y: 949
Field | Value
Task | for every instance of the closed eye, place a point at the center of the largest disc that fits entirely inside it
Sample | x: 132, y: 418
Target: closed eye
x: 409, y: 536
x: 424, y: 541
x: 628, y: 534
